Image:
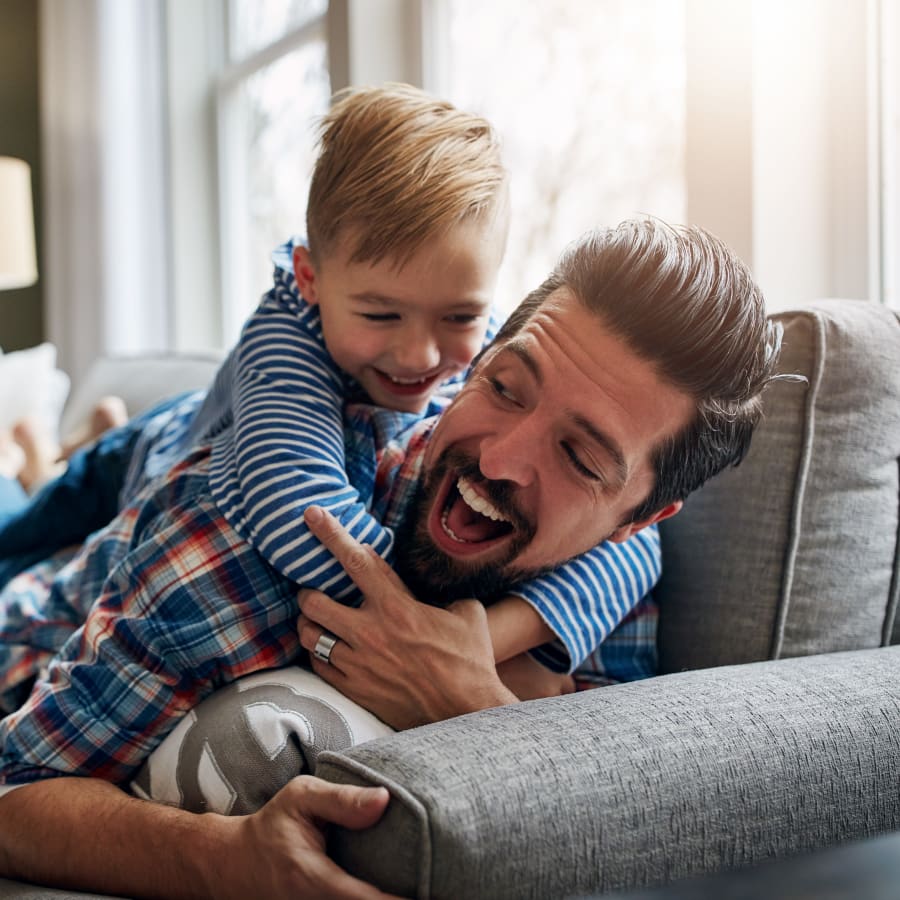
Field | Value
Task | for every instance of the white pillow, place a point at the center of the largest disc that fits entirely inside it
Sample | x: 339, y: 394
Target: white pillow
x: 31, y: 385
x: 240, y: 746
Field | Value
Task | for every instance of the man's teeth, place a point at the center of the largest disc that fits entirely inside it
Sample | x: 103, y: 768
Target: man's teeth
x: 449, y: 530
x: 477, y: 502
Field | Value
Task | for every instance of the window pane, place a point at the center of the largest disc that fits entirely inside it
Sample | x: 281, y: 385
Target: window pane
x: 589, y: 96
x: 270, y: 143
x: 253, y: 24
x: 890, y: 149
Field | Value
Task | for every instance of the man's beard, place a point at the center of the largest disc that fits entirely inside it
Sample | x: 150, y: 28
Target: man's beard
x: 439, y: 579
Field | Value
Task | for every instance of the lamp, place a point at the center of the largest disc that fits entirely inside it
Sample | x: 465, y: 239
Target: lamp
x: 18, y: 263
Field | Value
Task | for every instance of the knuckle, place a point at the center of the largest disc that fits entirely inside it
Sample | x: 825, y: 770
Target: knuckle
x: 356, y: 560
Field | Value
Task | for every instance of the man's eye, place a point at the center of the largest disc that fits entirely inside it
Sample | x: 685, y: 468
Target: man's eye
x: 380, y: 317
x: 501, y: 390
x: 579, y: 466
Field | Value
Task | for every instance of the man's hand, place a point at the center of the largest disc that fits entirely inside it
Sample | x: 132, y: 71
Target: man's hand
x: 287, y: 836
x: 406, y: 662
x: 134, y: 848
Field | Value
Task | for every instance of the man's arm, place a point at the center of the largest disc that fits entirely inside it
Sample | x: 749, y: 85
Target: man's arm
x: 405, y: 661
x: 86, y: 834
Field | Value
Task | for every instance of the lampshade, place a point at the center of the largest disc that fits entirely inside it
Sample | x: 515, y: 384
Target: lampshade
x: 18, y: 264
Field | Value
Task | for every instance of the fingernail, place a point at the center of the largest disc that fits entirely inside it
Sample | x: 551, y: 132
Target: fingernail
x: 313, y: 515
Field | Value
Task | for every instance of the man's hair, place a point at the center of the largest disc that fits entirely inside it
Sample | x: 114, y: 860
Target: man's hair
x: 396, y: 168
x: 682, y: 300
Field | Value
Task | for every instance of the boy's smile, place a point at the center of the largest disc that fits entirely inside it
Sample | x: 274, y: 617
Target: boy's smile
x: 402, y: 330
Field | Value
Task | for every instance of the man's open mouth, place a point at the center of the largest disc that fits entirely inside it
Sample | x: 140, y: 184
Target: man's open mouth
x: 464, y: 521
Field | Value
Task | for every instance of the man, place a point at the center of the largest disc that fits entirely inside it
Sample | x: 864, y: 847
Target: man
x: 618, y: 387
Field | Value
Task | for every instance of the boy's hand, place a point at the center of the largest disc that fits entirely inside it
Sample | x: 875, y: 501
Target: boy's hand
x: 406, y: 662
x: 529, y: 680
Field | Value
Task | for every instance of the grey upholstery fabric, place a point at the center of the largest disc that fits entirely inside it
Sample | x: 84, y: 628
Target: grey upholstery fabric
x: 636, y: 784
x: 796, y: 550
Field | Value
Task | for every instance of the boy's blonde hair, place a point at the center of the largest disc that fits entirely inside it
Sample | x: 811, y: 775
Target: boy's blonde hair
x: 396, y: 167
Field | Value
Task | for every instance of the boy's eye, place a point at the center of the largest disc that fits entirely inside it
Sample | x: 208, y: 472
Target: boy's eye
x: 576, y: 462
x: 463, y: 319
x: 380, y: 317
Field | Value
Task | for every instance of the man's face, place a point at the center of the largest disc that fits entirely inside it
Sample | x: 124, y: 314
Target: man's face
x: 401, y: 332
x: 542, y: 455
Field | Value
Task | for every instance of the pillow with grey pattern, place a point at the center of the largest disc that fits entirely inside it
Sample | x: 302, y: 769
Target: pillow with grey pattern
x: 238, y: 747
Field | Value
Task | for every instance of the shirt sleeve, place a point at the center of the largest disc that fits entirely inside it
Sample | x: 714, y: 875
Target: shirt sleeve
x: 288, y: 439
x: 285, y: 450
x: 628, y: 654
x: 185, y: 611
x: 584, y: 600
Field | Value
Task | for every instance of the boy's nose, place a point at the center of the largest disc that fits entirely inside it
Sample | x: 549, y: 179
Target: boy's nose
x: 415, y: 351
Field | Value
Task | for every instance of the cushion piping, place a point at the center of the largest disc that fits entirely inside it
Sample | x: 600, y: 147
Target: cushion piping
x: 806, y: 453
x: 894, y: 593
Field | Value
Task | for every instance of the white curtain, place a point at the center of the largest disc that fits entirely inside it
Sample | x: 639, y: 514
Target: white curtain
x: 107, y: 272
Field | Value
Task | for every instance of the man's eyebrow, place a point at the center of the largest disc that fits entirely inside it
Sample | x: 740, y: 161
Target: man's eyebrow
x: 598, y: 436
x: 517, y: 347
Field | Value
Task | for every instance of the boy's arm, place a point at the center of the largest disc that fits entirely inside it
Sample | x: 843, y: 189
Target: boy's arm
x: 288, y: 440
x: 579, y: 603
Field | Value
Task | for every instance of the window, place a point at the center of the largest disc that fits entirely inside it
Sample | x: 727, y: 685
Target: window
x: 589, y: 98
x: 272, y: 89
x: 889, y: 83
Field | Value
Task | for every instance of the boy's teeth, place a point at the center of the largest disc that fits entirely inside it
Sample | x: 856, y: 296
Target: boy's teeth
x: 407, y: 381
x: 478, y: 503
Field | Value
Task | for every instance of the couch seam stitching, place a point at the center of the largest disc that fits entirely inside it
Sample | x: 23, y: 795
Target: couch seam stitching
x: 801, y: 480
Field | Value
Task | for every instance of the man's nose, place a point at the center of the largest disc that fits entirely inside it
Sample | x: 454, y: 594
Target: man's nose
x: 416, y: 349
x: 512, y: 452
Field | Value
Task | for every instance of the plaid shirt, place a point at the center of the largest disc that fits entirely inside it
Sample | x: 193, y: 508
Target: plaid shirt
x: 185, y: 605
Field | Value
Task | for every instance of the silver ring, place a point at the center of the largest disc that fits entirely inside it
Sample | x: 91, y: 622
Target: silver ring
x: 324, y: 646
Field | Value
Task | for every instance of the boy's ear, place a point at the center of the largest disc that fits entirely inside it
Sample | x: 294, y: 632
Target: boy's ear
x: 623, y: 532
x: 305, y: 274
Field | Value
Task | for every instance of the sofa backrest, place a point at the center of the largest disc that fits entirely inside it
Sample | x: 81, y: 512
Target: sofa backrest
x: 795, y: 551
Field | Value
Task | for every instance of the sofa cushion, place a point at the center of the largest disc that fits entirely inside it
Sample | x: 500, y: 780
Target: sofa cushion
x: 139, y: 380
x: 794, y: 552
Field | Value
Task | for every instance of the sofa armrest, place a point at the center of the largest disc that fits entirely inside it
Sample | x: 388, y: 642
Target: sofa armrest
x: 634, y: 784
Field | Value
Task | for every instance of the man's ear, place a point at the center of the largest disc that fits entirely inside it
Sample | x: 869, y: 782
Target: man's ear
x: 305, y: 273
x: 623, y: 532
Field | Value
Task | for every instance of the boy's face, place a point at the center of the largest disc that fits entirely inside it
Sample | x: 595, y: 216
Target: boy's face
x: 401, y: 332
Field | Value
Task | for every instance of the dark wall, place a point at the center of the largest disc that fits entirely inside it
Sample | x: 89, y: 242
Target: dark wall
x: 21, y: 311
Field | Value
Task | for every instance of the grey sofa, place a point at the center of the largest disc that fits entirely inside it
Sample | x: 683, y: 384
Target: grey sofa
x: 776, y: 728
